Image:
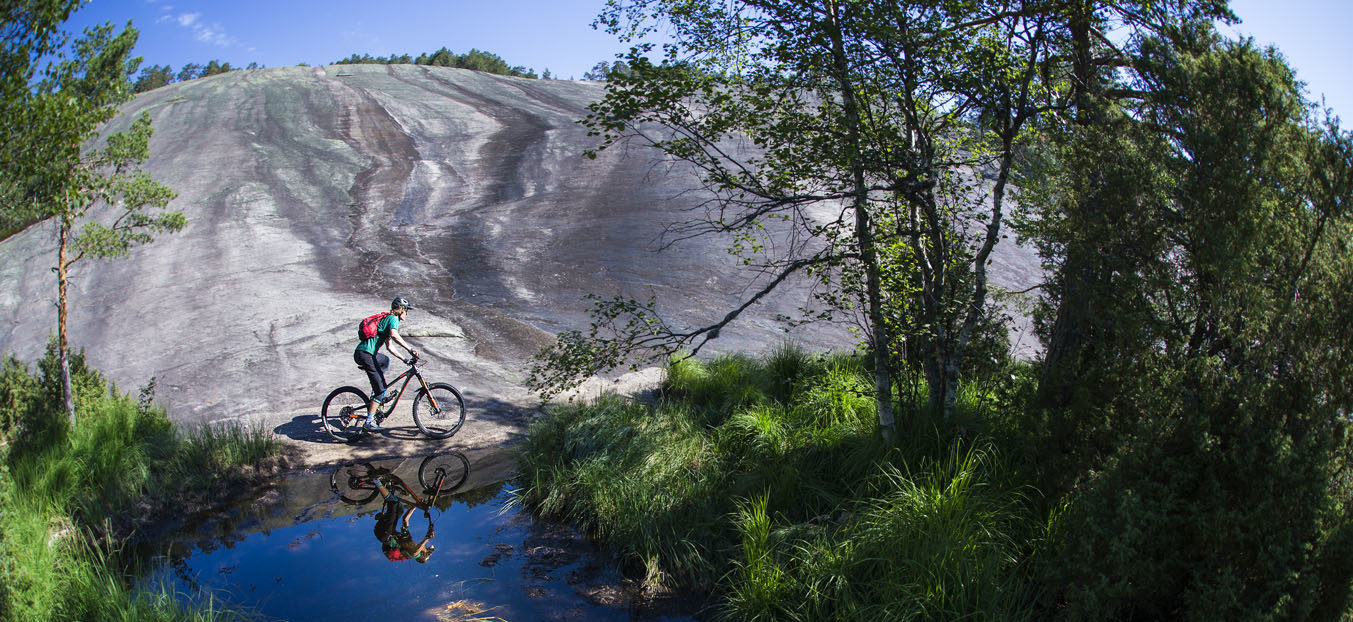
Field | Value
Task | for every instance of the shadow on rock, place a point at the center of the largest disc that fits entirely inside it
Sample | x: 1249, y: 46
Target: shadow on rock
x: 306, y: 428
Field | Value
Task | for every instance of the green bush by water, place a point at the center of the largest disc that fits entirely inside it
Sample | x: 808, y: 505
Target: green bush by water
x: 765, y: 481
x: 63, y: 488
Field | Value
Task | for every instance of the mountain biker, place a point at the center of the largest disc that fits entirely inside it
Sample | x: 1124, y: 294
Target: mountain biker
x: 392, y: 529
x: 368, y: 357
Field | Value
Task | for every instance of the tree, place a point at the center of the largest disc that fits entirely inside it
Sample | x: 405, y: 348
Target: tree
x: 878, y: 111
x: 1222, y: 438
x: 190, y: 71
x: 31, y: 30
x: 949, y: 92
x: 66, y: 174
x: 214, y: 67
x: 1086, y: 267
x: 597, y: 72
x: 602, y: 71
x: 441, y: 58
x: 153, y: 77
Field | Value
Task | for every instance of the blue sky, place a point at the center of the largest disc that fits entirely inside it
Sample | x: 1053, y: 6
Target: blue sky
x: 556, y: 34
x: 539, y: 34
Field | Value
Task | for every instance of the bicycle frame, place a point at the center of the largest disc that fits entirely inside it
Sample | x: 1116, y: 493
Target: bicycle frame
x: 384, y: 410
x: 396, y: 485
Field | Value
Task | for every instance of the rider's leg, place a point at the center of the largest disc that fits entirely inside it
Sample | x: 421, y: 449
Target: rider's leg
x: 370, y: 364
x: 380, y: 397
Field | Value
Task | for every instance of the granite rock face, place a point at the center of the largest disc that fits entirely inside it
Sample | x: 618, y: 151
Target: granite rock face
x: 315, y: 195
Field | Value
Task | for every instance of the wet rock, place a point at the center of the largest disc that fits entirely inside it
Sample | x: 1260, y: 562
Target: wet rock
x: 500, y: 551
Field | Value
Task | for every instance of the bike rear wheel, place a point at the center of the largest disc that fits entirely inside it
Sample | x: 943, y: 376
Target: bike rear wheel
x: 453, y: 468
x: 344, y: 413
x: 441, y: 413
x: 353, y: 483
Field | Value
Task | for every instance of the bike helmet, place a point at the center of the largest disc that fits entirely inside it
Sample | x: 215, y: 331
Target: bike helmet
x: 399, y: 302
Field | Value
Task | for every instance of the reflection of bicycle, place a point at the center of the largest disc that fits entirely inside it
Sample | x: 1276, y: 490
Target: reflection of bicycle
x: 438, y: 474
x: 438, y: 409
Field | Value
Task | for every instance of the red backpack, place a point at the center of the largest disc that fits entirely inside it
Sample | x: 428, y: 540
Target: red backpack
x: 369, y: 325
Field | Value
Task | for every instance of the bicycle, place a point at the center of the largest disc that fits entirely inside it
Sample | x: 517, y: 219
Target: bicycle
x: 438, y: 474
x: 438, y: 408
x: 360, y: 484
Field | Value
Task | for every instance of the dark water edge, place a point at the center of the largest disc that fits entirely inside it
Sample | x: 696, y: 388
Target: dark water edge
x: 300, y: 551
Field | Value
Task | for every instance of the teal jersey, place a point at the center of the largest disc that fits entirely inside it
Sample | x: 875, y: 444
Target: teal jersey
x: 374, y: 344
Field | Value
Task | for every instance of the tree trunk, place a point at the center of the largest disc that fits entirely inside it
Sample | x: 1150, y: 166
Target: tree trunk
x: 1079, y: 270
x: 62, y: 344
x: 864, y: 232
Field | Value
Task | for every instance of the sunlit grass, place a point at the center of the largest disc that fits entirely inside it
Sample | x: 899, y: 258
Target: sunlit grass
x: 766, y: 482
x: 63, y: 487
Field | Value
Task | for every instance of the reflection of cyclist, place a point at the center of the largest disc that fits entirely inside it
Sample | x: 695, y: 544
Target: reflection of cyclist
x: 368, y: 357
x: 392, y: 529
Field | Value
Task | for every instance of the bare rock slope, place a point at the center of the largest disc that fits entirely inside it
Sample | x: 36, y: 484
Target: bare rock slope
x: 314, y: 195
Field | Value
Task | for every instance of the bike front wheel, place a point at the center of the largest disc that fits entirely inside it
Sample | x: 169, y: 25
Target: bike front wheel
x: 344, y: 413
x: 439, y: 411
x: 443, y: 473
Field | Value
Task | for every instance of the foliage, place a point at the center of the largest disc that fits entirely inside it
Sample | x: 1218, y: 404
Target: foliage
x: 156, y: 76
x: 63, y: 489
x: 474, y: 60
x: 31, y: 30
x: 764, y: 480
x: 1201, y: 344
x: 881, y: 138
x: 58, y: 171
x: 603, y: 70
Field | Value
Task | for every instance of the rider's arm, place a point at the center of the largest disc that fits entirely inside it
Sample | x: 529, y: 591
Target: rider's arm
x: 423, y: 545
x: 394, y: 337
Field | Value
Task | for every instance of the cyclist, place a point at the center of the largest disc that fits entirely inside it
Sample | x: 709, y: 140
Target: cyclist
x: 392, y: 529
x: 368, y: 357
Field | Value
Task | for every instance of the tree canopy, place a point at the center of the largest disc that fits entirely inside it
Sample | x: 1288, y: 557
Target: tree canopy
x: 475, y: 60
x: 156, y: 76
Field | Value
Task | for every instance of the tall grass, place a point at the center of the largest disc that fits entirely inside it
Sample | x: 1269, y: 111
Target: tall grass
x: 67, y: 493
x: 766, y: 481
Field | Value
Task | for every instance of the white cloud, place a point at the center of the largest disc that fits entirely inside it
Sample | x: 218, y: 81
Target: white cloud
x: 204, y: 33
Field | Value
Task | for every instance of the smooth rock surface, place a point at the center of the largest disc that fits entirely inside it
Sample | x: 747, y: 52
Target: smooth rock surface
x: 316, y: 194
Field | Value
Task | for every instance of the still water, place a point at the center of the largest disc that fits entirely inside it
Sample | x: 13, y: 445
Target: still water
x: 334, y: 546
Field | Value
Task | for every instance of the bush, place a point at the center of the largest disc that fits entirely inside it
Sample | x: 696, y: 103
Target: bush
x: 1233, y: 502
x: 61, y: 488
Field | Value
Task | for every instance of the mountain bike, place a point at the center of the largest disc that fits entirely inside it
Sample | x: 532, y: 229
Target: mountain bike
x: 438, y: 408
x: 438, y: 474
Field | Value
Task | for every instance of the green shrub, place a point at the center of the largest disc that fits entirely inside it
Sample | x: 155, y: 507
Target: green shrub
x: 1231, y: 503
x: 59, y: 486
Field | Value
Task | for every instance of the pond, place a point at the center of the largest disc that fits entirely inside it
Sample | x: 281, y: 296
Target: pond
x: 335, y: 545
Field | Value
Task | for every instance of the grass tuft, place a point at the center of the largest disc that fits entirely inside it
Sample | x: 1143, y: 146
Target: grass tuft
x: 766, y: 481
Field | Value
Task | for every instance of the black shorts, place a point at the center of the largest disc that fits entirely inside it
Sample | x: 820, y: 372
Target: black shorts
x: 374, y: 365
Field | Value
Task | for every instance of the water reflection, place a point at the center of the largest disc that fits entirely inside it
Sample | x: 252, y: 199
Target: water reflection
x: 319, y: 547
x: 362, y: 483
